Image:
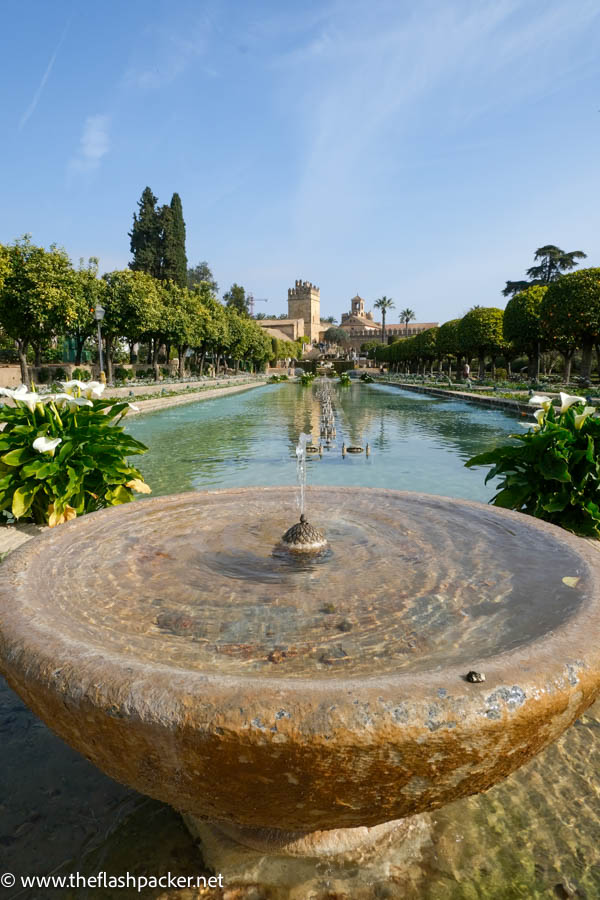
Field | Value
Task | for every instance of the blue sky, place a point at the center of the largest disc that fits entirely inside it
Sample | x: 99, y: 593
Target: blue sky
x: 418, y: 150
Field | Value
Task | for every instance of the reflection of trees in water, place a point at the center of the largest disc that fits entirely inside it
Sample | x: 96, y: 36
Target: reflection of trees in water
x: 380, y: 417
x: 182, y: 451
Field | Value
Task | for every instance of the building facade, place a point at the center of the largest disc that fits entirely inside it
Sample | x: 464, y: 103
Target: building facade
x: 304, y: 302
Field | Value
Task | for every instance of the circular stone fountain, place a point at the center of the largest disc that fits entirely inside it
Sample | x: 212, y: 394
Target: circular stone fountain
x: 288, y: 699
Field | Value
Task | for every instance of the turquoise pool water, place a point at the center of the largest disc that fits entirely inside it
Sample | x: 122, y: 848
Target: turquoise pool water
x: 417, y: 442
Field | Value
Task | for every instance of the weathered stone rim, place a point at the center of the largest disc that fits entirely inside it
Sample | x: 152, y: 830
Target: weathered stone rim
x: 578, y: 631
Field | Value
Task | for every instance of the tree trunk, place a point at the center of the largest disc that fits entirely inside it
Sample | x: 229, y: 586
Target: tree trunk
x: 132, y: 353
x: 586, y: 360
x: 508, y: 367
x: 155, y: 352
x: 202, y: 358
x: 181, y: 349
x: 22, y: 351
x: 450, y: 368
x: 108, y: 361
x: 149, y: 357
x: 482, y: 367
x: 38, y: 355
x: 79, y: 342
x: 568, y: 357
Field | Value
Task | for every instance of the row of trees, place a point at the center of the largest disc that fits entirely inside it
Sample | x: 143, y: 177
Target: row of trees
x: 563, y: 315
x: 42, y: 296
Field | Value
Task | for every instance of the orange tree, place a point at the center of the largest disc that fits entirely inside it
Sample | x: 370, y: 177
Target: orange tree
x: 570, y: 316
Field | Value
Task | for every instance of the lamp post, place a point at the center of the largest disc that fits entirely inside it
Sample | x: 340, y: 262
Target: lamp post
x: 99, y: 315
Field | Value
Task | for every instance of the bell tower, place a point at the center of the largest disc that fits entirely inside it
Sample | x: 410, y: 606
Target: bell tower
x: 304, y: 302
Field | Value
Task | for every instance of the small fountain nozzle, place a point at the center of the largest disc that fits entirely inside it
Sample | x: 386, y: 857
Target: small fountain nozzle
x: 303, y: 537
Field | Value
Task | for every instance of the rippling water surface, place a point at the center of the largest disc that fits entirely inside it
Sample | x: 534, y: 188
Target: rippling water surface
x: 417, y: 442
x: 537, y: 835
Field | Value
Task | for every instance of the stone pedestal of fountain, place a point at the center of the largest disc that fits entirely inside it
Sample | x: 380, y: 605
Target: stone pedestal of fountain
x: 296, y: 707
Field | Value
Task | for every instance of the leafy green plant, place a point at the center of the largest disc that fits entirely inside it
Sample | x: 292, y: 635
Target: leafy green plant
x: 62, y: 455
x: 553, y: 471
x: 81, y: 374
x: 344, y: 378
x: 307, y: 379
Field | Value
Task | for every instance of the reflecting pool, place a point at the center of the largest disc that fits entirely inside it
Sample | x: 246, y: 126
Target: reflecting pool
x: 536, y: 835
x: 418, y: 442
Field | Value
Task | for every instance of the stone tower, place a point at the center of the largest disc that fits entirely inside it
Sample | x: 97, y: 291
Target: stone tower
x: 358, y: 306
x: 304, y: 302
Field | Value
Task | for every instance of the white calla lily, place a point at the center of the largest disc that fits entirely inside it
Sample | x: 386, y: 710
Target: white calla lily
x: 69, y: 386
x: 29, y: 398
x: 530, y: 425
x: 79, y: 401
x: 94, y: 390
x: 540, y: 415
x: 46, y: 445
x: 133, y: 407
x: 540, y: 400
x: 580, y: 419
x: 567, y: 400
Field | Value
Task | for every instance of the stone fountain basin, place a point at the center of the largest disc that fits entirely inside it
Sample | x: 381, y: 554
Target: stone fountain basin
x: 169, y: 644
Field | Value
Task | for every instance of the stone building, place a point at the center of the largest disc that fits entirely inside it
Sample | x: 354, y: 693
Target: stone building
x: 304, y: 302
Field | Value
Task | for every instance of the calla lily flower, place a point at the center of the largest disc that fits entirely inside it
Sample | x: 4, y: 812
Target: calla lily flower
x: 69, y: 385
x: 530, y: 425
x: 566, y: 400
x: 580, y: 419
x: 540, y: 400
x: 540, y: 415
x: 136, y: 484
x: 46, y: 445
x: 79, y: 401
x: 133, y: 407
x: 30, y: 399
x: 94, y: 390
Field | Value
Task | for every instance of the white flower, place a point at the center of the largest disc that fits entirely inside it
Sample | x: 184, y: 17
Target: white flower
x: 566, y: 400
x: 133, y: 407
x: 94, y: 389
x: 530, y: 425
x: 69, y: 385
x: 579, y: 420
x: 30, y: 399
x: 538, y: 400
x: 61, y: 399
x: 46, y: 445
x: 540, y: 415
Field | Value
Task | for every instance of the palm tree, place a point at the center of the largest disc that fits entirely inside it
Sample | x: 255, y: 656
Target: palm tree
x: 407, y: 315
x: 384, y: 303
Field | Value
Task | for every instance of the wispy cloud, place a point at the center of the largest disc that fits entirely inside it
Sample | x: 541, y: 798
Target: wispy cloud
x: 171, y: 53
x: 36, y: 97
x: 94, y: 144
x: 367, y: 86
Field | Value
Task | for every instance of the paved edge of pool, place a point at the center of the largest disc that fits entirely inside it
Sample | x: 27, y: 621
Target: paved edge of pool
x: 493, y: 402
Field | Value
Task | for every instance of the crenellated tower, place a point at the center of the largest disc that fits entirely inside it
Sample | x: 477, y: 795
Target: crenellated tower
x: 304, y: 302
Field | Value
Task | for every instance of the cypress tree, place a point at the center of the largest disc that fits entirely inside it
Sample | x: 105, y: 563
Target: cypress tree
x: 146, y: 236
x: 174, y: 260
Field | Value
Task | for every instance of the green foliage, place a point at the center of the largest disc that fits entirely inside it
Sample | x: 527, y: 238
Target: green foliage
x: 146, y: 236
x: 552, y: 262
x: 447, y: 338
x: 521, y: 323
x: 86, y: 471
x: 344, y: 378
x: 174, y: 260
x: 36, y: 295
x: 236, y: 297
x: 366, y: 378
x: 336, y: 335
x: 307, y: 379
x: 570, y: 310
x: 202, y: 273
x: 553, y: 471
x: 80, y: 375
x: 480, y: 331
